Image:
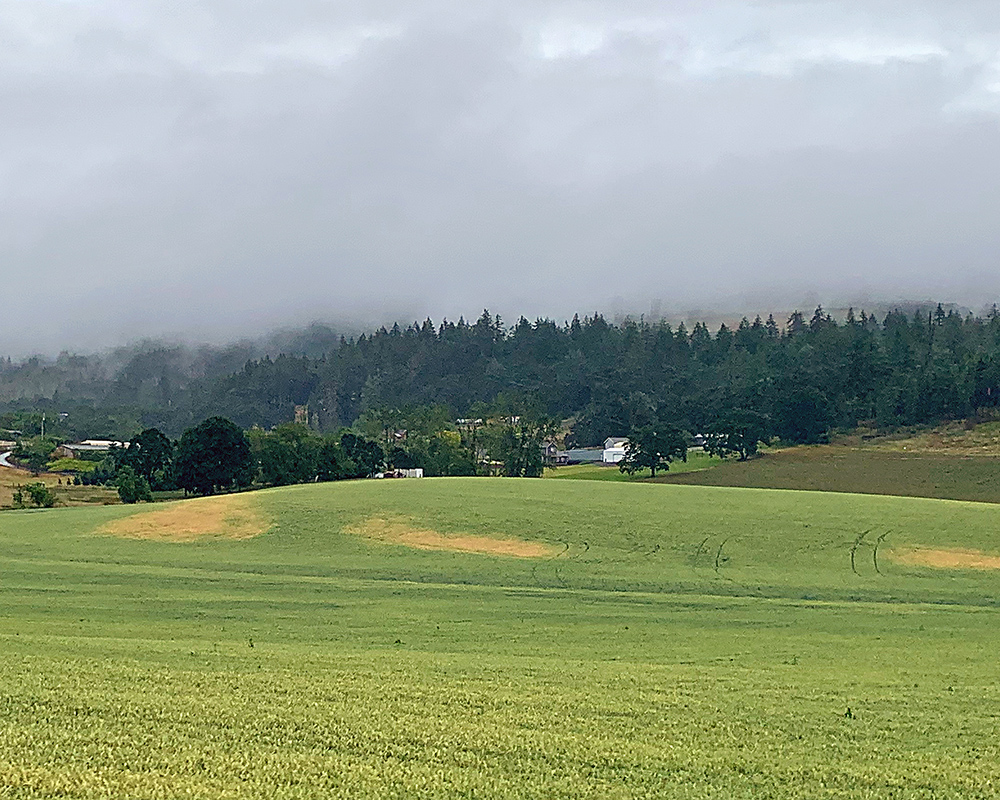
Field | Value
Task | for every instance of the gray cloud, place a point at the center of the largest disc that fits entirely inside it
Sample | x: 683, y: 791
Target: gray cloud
x: 221, y: 167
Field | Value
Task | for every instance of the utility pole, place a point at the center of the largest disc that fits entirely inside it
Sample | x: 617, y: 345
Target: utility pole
x: 43, y: 424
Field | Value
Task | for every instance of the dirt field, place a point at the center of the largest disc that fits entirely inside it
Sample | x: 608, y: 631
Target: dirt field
x: 400, y: 531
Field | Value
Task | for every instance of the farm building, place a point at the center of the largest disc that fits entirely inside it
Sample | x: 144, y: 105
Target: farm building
x: 402, y: 473
x: 86, y: 447
x: 614, y: 449
x: 552, y: 456
x: 583, y: 455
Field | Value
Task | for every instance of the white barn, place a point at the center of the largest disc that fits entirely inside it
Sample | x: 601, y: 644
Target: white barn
x: 614, y: 449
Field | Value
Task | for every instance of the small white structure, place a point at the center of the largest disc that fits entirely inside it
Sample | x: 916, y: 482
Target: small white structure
x: 88, y: 446
x: 104, y: 444
x: 614, y: 449
x: 402, y: 473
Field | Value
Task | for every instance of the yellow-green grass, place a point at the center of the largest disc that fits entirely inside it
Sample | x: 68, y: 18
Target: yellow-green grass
x: 961, y: 438
x: 696, y: 460
x: 77, y: 465
x: 864, y: 470
x: 681, y: 642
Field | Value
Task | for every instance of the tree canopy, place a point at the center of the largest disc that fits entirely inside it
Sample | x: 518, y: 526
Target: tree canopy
x: 150, y: 455
x: 213, y: 456
x: 653, y: 447
x: 809, y: 373
x: 738, y: 433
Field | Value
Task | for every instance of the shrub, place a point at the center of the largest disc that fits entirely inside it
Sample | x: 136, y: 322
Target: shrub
x: 38, y: 494
x: 132, y: 487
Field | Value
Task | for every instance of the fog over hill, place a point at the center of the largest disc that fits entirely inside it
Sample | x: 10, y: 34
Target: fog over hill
x: 209, y: 171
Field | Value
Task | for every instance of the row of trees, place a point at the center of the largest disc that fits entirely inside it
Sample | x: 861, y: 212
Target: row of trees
x: 656, y: 446
x: 217, y: 455
x: 806, y: 374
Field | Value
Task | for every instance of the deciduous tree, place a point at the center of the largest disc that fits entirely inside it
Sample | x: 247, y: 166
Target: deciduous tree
x: 151, y: 455
x: 213, y: 456
x: 366, y: 456
x: 132, y: 487
x: 653, y: 448
x: 738, y: 433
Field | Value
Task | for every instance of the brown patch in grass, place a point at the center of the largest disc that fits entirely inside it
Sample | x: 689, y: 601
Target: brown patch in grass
x: 233, y: 516
x: 946, y: 558
x: 401, y: 531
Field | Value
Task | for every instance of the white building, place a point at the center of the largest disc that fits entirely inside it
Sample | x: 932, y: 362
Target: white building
x: 88, y: 446
x: 402, y: 473
x: 614, y: 449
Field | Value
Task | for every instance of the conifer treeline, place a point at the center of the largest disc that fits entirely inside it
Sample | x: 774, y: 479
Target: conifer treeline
x: 807, y: 374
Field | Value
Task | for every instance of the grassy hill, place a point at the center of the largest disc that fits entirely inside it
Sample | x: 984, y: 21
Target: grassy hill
x: 501, y: 638
x: 861, y: 470
x: 696, y: 460
x: 953, y: 461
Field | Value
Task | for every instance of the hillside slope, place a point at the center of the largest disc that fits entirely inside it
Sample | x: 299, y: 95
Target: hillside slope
x: 875, y: 470
x: 501, y: 638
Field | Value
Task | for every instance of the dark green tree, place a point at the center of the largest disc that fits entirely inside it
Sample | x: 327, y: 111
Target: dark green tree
x: 332, y: 464
x: 286, y: 455
x: 653, y: 448
x: 804, y: 415
x: 132, y: 487
x: 151, y: 455
x: 738, y: 433
x: 366, y: 456
x: 401, y: 458
x: 445, y: 453
x: 213, y: 456
x: 517, y: 441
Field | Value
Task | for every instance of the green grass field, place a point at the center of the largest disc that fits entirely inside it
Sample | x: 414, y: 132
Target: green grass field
x: 696, y: 460
x: 864, y: 470
x: 676, y: 641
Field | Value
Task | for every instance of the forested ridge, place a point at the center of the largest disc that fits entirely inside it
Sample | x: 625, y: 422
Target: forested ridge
x: 807, y: 374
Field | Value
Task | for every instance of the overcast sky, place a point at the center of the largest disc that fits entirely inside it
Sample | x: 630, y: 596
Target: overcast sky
x: 222, y: 167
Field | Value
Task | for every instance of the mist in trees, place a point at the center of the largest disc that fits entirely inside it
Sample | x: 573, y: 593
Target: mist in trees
x: 807, y: 374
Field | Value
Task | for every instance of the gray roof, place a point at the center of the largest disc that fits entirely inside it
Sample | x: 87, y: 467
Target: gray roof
x: 584, y: 454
